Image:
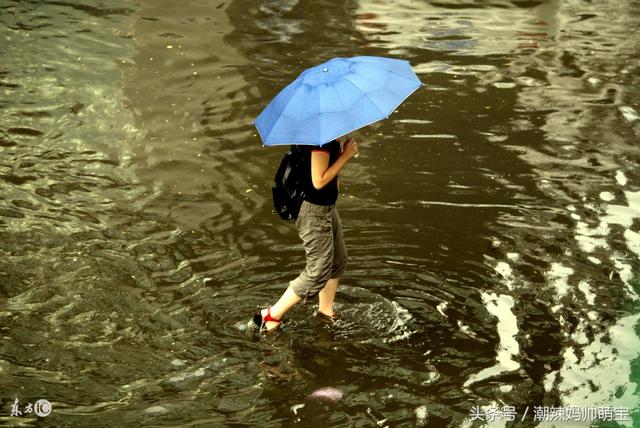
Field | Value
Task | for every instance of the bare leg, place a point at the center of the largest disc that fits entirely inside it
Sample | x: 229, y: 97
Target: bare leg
x: 286, y: 302
x: 327, y: 296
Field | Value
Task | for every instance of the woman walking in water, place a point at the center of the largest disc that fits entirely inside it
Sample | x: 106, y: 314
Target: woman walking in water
x: 319, y: 227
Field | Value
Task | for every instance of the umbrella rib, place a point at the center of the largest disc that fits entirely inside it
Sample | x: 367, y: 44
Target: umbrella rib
x: 405, y: 77
x: 415, y: 81
x: 283, y: 112
x: 405, y: 97
x: 401, y: 76
x: 365, y: 95
x: 344, y: 108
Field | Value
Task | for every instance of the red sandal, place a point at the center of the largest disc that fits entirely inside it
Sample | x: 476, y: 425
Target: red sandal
x: 261, y: 322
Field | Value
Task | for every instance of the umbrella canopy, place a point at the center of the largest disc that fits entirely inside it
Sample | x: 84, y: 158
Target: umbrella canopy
x: 335, y: 98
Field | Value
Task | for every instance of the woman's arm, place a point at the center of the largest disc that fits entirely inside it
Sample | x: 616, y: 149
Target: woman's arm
x: 321, y: 172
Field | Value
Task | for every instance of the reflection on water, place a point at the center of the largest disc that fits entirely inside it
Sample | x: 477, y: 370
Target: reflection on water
x: 492, y: 221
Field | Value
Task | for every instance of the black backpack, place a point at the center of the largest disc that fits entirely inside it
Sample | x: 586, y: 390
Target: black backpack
x: 288, y: 193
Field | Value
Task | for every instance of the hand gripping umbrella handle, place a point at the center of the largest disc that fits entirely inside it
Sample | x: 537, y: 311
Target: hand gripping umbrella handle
x: 357, y: 154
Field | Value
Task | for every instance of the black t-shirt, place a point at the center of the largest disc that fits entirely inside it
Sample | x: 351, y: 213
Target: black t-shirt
x: 328, y: 195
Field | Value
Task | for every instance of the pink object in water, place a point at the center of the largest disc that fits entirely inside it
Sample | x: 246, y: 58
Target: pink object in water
x: 327, y: 393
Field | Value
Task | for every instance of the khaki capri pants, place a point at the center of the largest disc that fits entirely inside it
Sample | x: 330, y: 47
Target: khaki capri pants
x: 320, y: 229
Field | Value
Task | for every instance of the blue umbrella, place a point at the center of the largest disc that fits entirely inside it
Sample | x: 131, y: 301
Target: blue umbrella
x: 335, y: 98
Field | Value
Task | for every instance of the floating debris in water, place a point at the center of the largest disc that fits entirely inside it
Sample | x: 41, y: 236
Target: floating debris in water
x: 327, y: 393
x: 296, y: 407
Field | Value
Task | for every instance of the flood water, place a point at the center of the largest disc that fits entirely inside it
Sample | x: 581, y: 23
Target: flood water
x: 492, y: 221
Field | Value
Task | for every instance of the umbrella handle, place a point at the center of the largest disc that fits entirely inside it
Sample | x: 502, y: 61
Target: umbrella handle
x: 357, y: 154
